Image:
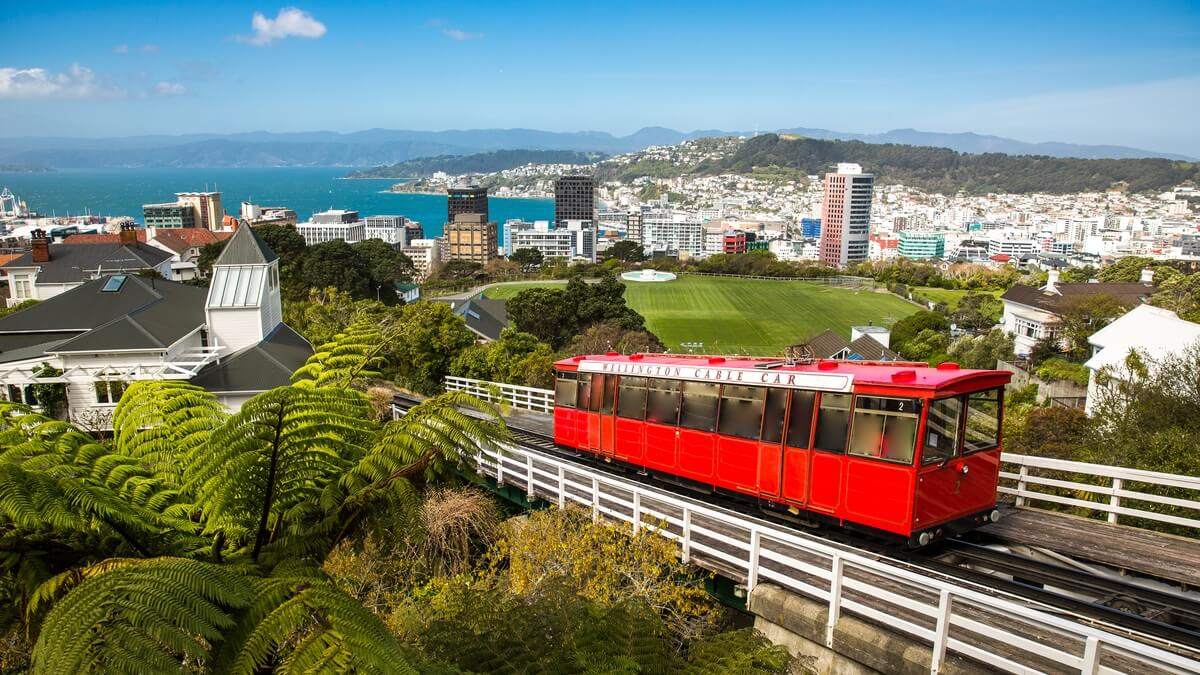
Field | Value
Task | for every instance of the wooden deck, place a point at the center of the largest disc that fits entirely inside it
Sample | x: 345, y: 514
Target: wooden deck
x: 1142, y: 551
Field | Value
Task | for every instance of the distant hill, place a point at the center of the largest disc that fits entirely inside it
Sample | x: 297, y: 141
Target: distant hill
x: 483, y: 162
x: 946, y: 171
x: 374, y: 147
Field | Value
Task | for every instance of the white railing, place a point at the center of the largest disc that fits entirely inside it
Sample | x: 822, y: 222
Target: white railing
x: 1026, y: 484
x: 529, y: 398
x: 1029, y: 484
x: 1004, y: 632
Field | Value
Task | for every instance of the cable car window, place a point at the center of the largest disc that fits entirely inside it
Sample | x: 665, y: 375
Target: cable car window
x: 599, y: 386
x: 885, y: 428
x: 609, y: 393
x: 585, y: 391
x: 800, y: 419
x: 699, y: 410
x: 631, y: 402
x: 833, y: 422
x: 982, y: 431
x: 662, y: 402
x: 565, y: 389
x: 773, y: 415
x: 741, y: 411
x: 941, y: 430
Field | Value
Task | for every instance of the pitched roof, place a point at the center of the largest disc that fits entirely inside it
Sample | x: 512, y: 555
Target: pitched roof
x: 825, y: 345
x: 870, y: 349
x: 259, y: 367
x: 141, y: 314
x: 1152, y: 331
x: 6, y: 258
x: 485, y: 317
x: 101, y: 238
x: 828, y: 345
x: 1132, y: 293
x: 181, y: 239
x: 246, y: 248
x: 75, y: 263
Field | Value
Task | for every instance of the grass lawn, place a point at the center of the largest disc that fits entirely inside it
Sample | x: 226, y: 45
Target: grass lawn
x: 746, y: 316
x: 948, y: 296
x: 507, y: 291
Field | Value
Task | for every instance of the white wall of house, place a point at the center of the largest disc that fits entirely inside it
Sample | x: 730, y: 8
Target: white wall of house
x: 1027, y: 325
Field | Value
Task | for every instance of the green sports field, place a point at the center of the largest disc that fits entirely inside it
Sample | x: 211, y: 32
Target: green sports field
x: 948, y: 296
x: 748, y: 316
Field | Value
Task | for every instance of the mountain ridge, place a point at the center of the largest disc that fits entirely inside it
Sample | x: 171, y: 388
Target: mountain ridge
x: 378, y: 146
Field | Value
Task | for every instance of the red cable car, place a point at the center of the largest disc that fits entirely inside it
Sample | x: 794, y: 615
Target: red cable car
x: 903, y: 449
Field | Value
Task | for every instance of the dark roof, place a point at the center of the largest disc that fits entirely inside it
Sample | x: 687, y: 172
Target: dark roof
x: 21, y: 346
x: 141, y: 314
x: 74, y: 263
x: 486, y: 317
x: 246, y: 248
x: 259, y: 367
x: 1130, y: 293
x: 829, y: 345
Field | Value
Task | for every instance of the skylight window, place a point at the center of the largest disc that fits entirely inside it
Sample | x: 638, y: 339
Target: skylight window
x: 114, y: 283
x: 236, y: 286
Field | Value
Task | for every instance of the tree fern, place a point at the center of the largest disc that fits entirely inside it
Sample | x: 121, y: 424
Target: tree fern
x: 268, y: 464
x: 164, y: 423
x: 147, y: 617
x: 349, y: 360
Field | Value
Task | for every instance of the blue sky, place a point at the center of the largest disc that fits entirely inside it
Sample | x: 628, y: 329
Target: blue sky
x: 1087, y: 72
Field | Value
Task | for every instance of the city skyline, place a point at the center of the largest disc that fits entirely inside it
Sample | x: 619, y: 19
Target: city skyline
x: 1071, y: 72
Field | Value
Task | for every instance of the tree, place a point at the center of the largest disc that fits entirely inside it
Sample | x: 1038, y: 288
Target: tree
x: 385, y: 266
x: 1048, y: 347
x: 982, y: 351
x: 543, y: 313
x: 929, y: 345
x: 428, y: 337
x: 290, y: 246
x: 208, y: 255
x: 602, y: 337
x: 1085, y: 315
x: 1180, y: 294
x: 336, y: 264
x: 527, y: 258
x: 1055, y: 432
x: 977, y: 311
x: 910, y: 326
x: 625, y: 250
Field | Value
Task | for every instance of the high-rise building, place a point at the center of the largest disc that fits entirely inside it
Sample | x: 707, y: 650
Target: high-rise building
x: 921, y: 245
x: 846, y: 216
x: 170, y: 215
x: 465, y: 199
x: 574, y: 199
x: 810, y: 228
x: 470, y: 236
x: 633, y: 226
x: 391, y: 229
x: 672, y: 232
x: 207, y: 206
x: 575, y: 239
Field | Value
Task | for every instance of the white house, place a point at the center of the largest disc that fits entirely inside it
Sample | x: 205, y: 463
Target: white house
x: 1152, y: 332
x: 104, y: 333
x: 50, y: 269
x: 1031, y: 314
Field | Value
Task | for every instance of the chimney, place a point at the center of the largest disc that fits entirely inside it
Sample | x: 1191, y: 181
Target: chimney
x: 128, y: 234
x: 1147, y: 276
x: 1051, y: 282
x: 40, y: 243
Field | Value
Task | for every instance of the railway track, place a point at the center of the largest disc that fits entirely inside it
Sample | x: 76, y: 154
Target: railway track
x: 1166, y: 620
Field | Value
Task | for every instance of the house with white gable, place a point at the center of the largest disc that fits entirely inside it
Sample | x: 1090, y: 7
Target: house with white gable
x: 96, y: 338
x: 1151, y: 332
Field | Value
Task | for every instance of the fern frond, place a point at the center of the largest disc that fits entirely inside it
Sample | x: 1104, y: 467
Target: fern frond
x: 349, y: 360
x: 164, y: 423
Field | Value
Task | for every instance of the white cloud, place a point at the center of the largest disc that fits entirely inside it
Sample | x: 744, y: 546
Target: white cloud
x: 289, y: 22
x: 75, y: 82
x: 121, y: 49
x: 460, y: 35
x: 150, y: 49
x: 169, y: 89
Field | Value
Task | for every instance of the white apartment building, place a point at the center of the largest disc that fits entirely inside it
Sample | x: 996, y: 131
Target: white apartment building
x: 575, y: 240
x: 333, y: 224
x: 391, y: 229
x: 672, y: 232
x: 1008, y: 243
x: 426, y: 255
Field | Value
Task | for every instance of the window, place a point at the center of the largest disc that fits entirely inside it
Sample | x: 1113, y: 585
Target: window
x: 662, y: 402
x: 631, y: 399
x: 941, y: 430
x: 982, y: 431
x: 773, y: 415
x: 741, y: 411
x: 699, y: 409
x: 833, y: 422
x: 885, y: 428
x: 583, y: 398
x: 604, y: 392
x: 800, y: 419
x: 113, y: 284
x: 22, y: 287
x: 565, y: 389
x: 109, y: 391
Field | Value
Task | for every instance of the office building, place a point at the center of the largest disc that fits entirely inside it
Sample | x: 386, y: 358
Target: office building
x: 574, y: 199
x: 846, y: 216
x: 391, y: 229
x: 332, y: 225
x: 169, y: 215
x: 672, y: 232
x: 921, y: 245
x: 472, y: 237
x: 207, y: 206
x: 734, y: 241
x: 257, y: 215
x: 466, y: 199
x: 426, y: 256
x: 574, y: 240
x: 810, y: 228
